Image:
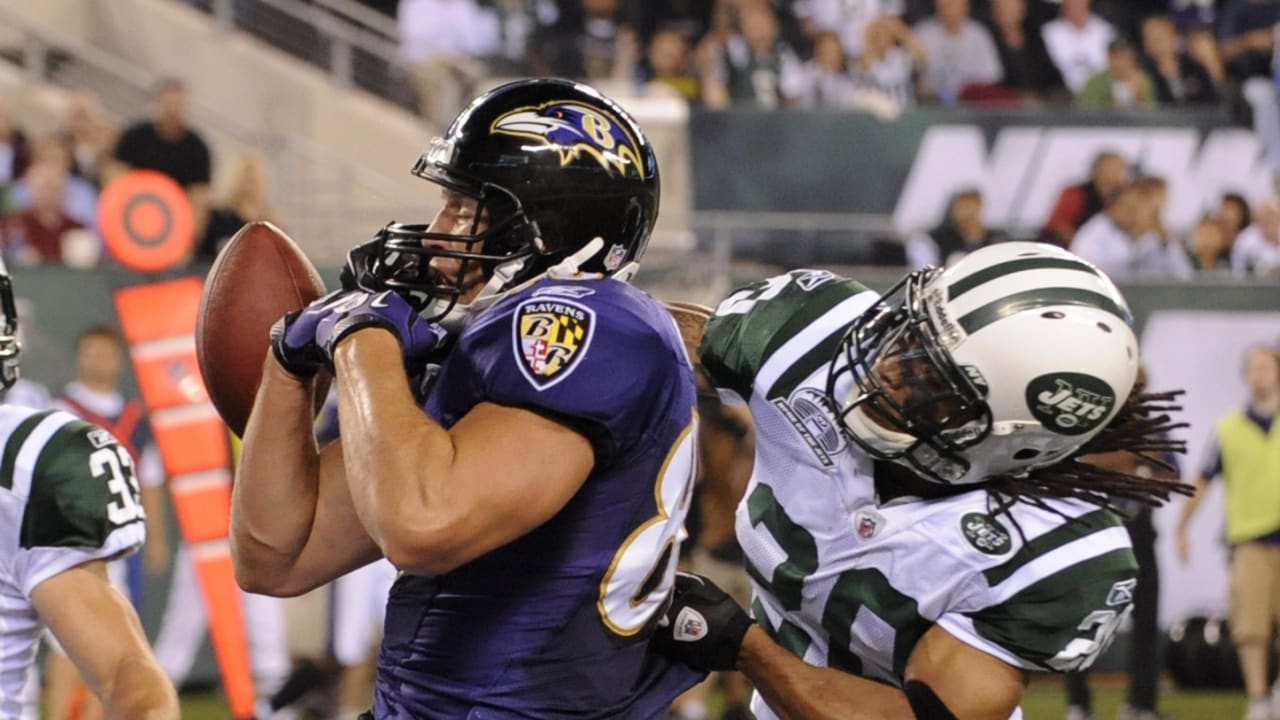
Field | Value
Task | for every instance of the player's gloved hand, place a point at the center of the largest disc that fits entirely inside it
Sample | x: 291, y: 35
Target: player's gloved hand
x: 293, y: 338
x: 357, y: 309
x: 703, y: 626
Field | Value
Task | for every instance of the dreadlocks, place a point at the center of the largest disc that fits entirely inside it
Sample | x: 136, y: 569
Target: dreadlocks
x: 1142, y: 427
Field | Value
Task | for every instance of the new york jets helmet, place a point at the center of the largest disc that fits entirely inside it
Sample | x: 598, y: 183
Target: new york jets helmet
x: 1009, y: 360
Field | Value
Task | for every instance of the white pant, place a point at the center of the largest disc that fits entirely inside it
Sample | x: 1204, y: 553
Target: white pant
x: 182, y: 631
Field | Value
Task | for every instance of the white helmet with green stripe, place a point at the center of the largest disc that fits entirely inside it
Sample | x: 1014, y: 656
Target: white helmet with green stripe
x: 1009, y: 360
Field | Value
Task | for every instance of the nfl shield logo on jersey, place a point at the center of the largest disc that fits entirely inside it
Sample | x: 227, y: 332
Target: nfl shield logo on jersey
x: 551, y: 337
x: 868, y: 524
x: 690, y: 626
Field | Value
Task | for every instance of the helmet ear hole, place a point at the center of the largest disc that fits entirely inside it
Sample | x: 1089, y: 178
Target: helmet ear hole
x: 1025, y: 454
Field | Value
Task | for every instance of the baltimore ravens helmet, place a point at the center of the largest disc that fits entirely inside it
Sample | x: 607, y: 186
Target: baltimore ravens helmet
x: 1009, y: 360
x: 554, y: 165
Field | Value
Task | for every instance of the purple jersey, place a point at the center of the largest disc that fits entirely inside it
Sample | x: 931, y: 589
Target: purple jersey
x: 556, y: 623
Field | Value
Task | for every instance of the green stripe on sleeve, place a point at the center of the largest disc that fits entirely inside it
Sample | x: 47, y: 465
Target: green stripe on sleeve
x: 1086, y: 524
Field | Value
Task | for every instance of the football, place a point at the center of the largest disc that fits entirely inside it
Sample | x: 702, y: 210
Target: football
x: 691, y: 318
x: 260, y: 275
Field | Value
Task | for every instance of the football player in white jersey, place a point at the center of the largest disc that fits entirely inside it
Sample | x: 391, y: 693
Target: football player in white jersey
x: 69, y: 502
x: 920, y: 526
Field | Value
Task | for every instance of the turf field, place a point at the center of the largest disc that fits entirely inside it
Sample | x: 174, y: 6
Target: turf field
x: 1044, y: 702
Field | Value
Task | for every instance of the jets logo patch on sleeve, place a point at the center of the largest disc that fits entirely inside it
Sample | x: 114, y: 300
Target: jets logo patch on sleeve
x: 551, y: 338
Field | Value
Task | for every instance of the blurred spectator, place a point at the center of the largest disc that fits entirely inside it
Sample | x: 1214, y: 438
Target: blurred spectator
x: 825, y: 80
x: 1256, y: 250
x: 1158, y: 252
x: 1188, y: 14
x: 43, y: 231
x: 15, y: 151
x: 847, y: 19
x: 1026, y: 64
x: 671, y: 66
x: 1202, y: 46
x: 516, y: 20
x: 1208, y: 246
x: 884, y: 74
x: 1234, y: 212
x: 167, y: 143
x: 756, y: 68
x: 1122, y: 86
x: 88, y: 137
x: 690, y: 18
x: 592, y: 44
x: 961, y: 232
x: 1077, y: 42
x: 1245, y: 453
x: 246, y: 200
x: 1247, y: 37
x: 442, y: 44
x: 1179, y: 79
x: 79, y: 196
x: 1248, y: 43
x: 1078, y: 203
x: 1110, y: 238
x: 961, y: 52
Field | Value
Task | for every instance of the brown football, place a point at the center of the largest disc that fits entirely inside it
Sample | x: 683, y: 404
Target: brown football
x: 259, y: 276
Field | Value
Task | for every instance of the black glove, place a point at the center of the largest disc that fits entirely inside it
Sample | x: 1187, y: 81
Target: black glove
x: 703, y: 626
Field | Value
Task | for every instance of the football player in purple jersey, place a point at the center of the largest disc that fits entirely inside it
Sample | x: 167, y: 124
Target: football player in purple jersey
x: 517, y: 421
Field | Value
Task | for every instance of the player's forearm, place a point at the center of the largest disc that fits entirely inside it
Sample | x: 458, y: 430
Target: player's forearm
x: 140, y: 691
x: 273, y: 503
x: 397, y: 457
x: 799, y: 691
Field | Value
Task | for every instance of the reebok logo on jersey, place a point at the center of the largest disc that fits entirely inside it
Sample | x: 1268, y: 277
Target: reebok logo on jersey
x: 1121, y: 593
x: 551, y: 338
x: 1070, y: 403
x: 690, y: 626
x: 806, y: 411
x: 985, y: 534
x: 100, y: 438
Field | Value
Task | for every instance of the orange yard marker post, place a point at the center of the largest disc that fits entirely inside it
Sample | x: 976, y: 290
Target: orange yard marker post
x: 159, y: 321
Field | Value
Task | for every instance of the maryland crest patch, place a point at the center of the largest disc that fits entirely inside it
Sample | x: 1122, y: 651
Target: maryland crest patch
x: 551, y: 337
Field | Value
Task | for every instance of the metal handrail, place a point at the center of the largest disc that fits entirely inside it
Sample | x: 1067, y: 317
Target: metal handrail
x: 383, y: 25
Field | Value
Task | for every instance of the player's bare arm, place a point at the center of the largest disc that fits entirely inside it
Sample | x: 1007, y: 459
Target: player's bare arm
x: 967, y: 682
x: 293, y: 527
x: 434, y: 499
x: 101, y: 634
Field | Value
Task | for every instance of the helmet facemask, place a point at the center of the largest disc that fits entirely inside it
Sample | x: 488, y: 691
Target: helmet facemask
x: 910, y: 402
x: 10, y: 347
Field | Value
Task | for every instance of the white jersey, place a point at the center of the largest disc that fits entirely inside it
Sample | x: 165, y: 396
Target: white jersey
x: 847, y: 579
x: 68, y: 495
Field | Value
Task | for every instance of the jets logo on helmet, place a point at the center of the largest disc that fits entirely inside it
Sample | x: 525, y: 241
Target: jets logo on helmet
x: 572, y: 128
